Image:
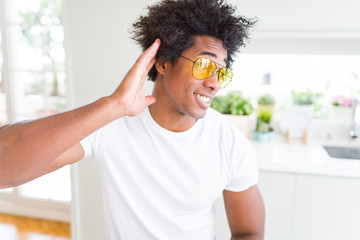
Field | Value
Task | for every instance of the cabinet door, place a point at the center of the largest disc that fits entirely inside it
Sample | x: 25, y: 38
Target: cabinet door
x: 278, y: 191
x: 305, y: 15
x: 327, y: 208
x: 222, y: 229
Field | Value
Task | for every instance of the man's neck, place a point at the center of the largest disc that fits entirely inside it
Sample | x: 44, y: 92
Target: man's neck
x: 170, y: 119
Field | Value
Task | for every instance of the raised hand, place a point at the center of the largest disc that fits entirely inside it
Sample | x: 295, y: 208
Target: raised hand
x: 42, y: 153
x: 129, y: 96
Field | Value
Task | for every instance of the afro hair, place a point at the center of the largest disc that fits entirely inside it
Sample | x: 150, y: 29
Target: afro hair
x: 176, y: 22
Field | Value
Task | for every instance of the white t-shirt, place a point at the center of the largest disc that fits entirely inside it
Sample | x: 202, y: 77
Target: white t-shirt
x: 162, y: 185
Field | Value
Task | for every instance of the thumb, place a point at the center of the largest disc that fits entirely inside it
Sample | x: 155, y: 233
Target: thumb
x: 149, y: 100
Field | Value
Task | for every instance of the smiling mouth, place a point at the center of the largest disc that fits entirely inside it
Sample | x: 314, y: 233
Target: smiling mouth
x: 203, y: 98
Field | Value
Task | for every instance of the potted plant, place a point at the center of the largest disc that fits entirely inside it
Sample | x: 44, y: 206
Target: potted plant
x: 342, y: 101
x: 266, y: 102
x: 238, y: 105
x: 303, y: 98
x: 236, y: 108
x: 341, y: 108
x: 263, y: 132
x: 304, y: 101
x: 220, y: 104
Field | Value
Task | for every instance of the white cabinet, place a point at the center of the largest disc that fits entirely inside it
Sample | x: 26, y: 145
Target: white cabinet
x: 327, y: 208
x: 303, y: 16
x: 311, y: 207
x: 278, y: 191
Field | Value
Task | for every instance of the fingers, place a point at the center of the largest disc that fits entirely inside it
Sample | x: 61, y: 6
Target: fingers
x: 147, y: 59
x: 144, y: 63
x: 152, y: 50
x: 149, y: 100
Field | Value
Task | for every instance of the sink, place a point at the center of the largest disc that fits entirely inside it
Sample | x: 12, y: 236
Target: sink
x: 343, y: 152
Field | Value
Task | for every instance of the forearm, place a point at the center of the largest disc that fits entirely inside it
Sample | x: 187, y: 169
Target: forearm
x: 26, y: 148
x: 248, y: 237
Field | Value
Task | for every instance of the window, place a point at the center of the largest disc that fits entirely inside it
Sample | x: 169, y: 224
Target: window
x: 3, y: 113
x: 32, y: 83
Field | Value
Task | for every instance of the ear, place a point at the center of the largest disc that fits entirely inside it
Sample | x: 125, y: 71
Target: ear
x: 161, y: 66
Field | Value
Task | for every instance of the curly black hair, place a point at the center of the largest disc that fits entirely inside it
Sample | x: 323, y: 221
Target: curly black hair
x: 176, y: 22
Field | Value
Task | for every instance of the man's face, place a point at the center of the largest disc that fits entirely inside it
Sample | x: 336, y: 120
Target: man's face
x: 186, y: 95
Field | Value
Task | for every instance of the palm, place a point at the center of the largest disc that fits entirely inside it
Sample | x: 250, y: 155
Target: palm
x: 129, y: 95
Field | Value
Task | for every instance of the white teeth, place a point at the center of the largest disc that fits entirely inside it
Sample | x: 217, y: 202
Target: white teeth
x: 203, y: 98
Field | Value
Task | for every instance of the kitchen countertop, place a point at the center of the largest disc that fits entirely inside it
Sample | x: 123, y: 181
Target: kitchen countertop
x: 280, y: 156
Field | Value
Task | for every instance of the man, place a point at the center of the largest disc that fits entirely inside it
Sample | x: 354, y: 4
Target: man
x: 163, y: 159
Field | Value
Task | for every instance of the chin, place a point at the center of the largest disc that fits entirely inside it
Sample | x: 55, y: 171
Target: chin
x: 199, y: 114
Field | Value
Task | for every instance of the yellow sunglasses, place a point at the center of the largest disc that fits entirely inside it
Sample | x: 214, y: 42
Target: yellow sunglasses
x: 204, y: 68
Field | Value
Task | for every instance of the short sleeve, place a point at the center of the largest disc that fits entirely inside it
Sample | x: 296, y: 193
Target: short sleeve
x: 93, y: 143
x: 245, y: 172
x: 86, y: 146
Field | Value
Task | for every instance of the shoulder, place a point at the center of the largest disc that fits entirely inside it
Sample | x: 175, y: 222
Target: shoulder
x: 112, y: 129
x: 124, y: 123
x: 215, y: 118
x: 220, y: 124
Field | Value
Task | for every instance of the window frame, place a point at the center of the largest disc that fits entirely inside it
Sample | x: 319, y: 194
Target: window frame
x: 14, y: 203
x: 5, y: 69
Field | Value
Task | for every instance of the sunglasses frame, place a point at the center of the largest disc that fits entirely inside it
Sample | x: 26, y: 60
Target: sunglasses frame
x: 217, y: 69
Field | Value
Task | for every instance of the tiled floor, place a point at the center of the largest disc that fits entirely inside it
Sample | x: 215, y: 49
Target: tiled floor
x: 24, y: 228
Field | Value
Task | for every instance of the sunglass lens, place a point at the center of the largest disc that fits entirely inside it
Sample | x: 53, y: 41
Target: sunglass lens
x: 225, y: 76
x: 203, y: 68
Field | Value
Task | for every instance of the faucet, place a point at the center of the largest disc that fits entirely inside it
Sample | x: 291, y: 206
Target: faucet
x: 353, y: 131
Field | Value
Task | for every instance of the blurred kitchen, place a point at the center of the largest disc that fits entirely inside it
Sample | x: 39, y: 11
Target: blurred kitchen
x: 294, y: 94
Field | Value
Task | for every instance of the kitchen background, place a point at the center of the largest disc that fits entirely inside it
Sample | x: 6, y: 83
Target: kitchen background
x: 65, y: 54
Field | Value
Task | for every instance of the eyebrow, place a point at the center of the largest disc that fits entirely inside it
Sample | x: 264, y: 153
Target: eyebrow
x: 213, y: 55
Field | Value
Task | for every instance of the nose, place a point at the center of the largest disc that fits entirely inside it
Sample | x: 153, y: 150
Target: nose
x: 212, y: 82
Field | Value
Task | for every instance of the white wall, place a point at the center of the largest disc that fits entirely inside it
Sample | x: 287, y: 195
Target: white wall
x: 99, y: 53
x: 101, y: 49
